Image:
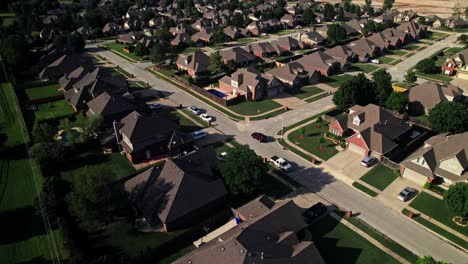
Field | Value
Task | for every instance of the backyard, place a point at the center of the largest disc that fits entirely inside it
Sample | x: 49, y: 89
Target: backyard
x: 339, y: 244
x: 43, y: 91
x: 336, y: 80
x: 250, y: 108
x: 8, y: 18
x: 53, y: 110
x: 379, y: 177
x: 305, y: 91
x: 311, y: 140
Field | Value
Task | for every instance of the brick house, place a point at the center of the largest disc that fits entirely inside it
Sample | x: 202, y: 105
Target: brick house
x: 195, y: 64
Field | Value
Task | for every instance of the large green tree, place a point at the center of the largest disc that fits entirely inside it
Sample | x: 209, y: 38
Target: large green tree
x: 216, y: 64
x: 308, y: 17
x: 410, y: 77
x: 43, y: 132
x: 242, y: 169
x: 358, y: 90
x: 336, y: 33
x: 158, y: 53
x: 329, y: 11
x: 388, y: 4
x: 383, y: 85
x: 456, y: 199
x: 397, y: 101
x: 48, y: 154
x: 427, y: 66
x: 448, y: 117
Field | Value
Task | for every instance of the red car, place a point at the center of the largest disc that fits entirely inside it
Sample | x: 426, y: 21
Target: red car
x: 259, y: 136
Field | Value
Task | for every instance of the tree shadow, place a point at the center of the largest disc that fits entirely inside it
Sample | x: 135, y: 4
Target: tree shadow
x: 20, y: 224
x: 37, y: 260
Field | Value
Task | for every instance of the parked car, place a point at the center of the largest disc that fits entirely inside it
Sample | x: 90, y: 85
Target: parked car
x: 281, y: 163
x: 315, y: 212
x: 368, y: 161
x: 375, y: 61
x: 195, y: 110
x: 258, y: 136
x: 206, y: 117
x: 155, y: 106
x: 406, y: 194
x: 221, y: 155
x: 198, y: 134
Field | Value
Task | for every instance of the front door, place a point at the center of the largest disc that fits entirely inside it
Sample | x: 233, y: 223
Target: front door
x: 148, y: 154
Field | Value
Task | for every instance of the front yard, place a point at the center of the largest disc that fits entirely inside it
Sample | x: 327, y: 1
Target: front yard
x: 250, y: 108
x: 397, y: 52
x: 311, y: 140
x: 53, y: 110
x: 379, y: 177
x: 119, y: 48
x: 304, y: 92
x: 336, y: 80
x: 365, y: 67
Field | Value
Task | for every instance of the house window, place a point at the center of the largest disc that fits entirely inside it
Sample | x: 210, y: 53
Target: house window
x: 449, y: 65
x: 335, y: 131
x: 356, y: 121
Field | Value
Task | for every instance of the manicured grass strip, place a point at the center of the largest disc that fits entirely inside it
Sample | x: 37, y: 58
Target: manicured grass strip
x: 395, y: 62
x: 200, y: 97
x: 437, y: 210
x: 119, y: 48
x: 365, y: 67
x: 268, y: 115
x: 364, y: 189
x: 392, y: 245
x: 434, y: 77
x: 397, y: 52
x: 310, y: 141
x: 455, y: 239
x: 54, y: 110
x: 186, y: 125
x: 379, y: 177
x: 335, y: 80
x: 386, y: 60
x: 195, y: 117
x: 45, y: 91
x: 249, y: 108
x: 318, y: 97
x: 305, y: 91
x: 337, y: 243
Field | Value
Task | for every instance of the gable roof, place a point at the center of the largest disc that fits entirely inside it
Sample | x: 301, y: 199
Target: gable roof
x: 237, y: 54
x: 197, y: 61
x: 136, y: 126
x: 105, y: 104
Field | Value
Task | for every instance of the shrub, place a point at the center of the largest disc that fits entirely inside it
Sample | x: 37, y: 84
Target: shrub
x: 333, y: 137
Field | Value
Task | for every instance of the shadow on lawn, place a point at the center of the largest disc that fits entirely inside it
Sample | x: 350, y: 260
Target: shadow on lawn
x: 37, y: 260
x: 20, y: 224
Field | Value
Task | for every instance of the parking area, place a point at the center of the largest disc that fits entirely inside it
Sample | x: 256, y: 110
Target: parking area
x: 348, y: 162
x: 389, y: 195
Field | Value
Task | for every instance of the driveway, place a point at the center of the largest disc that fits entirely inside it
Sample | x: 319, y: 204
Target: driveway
x: 348, y: 162
x: 389, y: 195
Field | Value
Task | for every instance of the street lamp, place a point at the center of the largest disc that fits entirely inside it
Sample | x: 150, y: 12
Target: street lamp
x: 282, y: 127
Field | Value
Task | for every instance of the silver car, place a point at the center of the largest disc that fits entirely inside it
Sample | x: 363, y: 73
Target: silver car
x: 406, y: 194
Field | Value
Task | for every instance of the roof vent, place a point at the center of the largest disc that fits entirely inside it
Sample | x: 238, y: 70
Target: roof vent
x: 189, y: 262
x: 242, y: 251
x: 222, y: 249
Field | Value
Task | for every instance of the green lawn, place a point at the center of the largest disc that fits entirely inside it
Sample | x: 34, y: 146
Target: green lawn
x: 245, y: 40
x: 339, y: 244
x: 305, y: 91
x: 186, y: 125
x: 119, y: 48
x: 43, y: 91
x: 436, y: 209
x: 311, y: 141
x: 437, y: 77
x: 395, y: 62
x: 379, y: 177
x: 336, y: 80
x: 437, y: 35
x: 23, y: 236
x: 191, y: 49
x: 454, y: 50
x: 8, y: 18
x: 412, y: 47
x: 285, y: 32
x: 365, y: 67
x: 364, y: 189
x: 386, y: 60
x: 254, y: 108
x: 397, y: 52
x: 53, y: 110
x: 316, y: 98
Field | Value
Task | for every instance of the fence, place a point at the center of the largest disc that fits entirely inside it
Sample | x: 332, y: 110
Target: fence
x: 388, y: 163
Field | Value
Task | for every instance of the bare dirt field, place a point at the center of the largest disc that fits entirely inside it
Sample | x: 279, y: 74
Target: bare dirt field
x: 442, y: 8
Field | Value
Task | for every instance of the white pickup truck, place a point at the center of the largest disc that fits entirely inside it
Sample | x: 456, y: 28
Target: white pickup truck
x: 281, y: 163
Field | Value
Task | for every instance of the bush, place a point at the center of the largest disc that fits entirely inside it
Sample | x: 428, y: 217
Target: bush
x: 343, y: 144
x: 427, y: 66
x: 434, y: 188
x: 333, y: 137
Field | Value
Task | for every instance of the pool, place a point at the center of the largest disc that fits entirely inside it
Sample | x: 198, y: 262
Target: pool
x: 217, y: 93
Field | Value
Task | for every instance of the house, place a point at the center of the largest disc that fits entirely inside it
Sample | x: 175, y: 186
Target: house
x: 256, y: 28
x: 182, y: 28
x: 443, y: 158
x: 294, y: 74
x: 66, y: 81
x: 311, y: 38
x: 342, y: 53
x: 379, y: 40
x: 195, y: 64
x: 110, y: 107
x: 455, y: 22
x: 180, y: 194
x: 406, y: 15
x: 370, y: 130
x: 267, y: 232
x: 459, y: 61
x: 353, y: 27
x: 394, y: 37
x: 364, y: 49
x: 384, y: 18
x: 180, y: 39
x: 323, y: 63
x: 237, y: 55
x: 263, y: 49
x: 251, y: 84
x: 413, y: 29
x: 288, y: 21
x: 129, y: 38
x: 423, y: 97
x: 61, y: 66
x: 288, y: 44
x: 111, y: 28
x: 202, y: 37
x: 232, y: 32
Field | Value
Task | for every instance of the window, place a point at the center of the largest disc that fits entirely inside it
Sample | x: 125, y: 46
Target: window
x: 335, y: 131
x: 356, y: 121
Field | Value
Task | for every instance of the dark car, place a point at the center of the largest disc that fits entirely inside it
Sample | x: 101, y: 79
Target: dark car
x: 315, y: 212
x: 259, y: 136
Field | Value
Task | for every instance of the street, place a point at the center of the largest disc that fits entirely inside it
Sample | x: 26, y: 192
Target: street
x: 389, y: 222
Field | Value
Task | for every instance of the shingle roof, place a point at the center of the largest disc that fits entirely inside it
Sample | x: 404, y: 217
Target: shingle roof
x: 106, y: 104
x: 429, y: 94
x: 136, y: 126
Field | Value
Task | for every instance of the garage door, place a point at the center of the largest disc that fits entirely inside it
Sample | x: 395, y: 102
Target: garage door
x: 414, y: 176
x: 357, y: 149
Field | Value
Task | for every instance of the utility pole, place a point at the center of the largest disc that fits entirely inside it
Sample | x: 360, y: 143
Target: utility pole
x: 282, y: 127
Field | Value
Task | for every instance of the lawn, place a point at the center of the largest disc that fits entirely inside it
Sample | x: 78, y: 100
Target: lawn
x: 311, y: 141
x: 316, y: 98
x: 119, y: 48
x: 177, y: 255
x: 386, y: 60
x: 339, y: 244
x: 435, y: 76
x: 364, y: 189
x: 336, y: 80
x: 191, y: 49
x: 305, y: 91
x: 43, y: 91
x: 395, y: 62
x: 397, y: 52
x: 437, y: 36
x: 186, y: 125
x: 250, y: 108
x: 454, y: 50
x: 195, y: 117
x: 23, y: 239
x: 379, y: 177
x: 411, y: 47
x: 436, y: 209
x: 8, y: 18
x: 365, y: 67
x: 53, y: 110
x: 285, y: 32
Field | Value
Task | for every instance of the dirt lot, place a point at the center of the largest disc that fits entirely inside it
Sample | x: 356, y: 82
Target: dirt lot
x: 442, y: 8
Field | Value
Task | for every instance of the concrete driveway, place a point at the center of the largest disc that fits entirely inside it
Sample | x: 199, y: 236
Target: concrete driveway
x: 389, y: 195
x: 348, y: 162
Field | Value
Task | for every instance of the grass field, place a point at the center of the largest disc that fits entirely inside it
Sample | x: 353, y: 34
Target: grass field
x: 119, y: 49
x: 386, y: 60
x: 336, y: 80
x: 53, y: 110
x: 254, y: 108
x: 436, y: 209
x: 339, y: 244
x: 305, y: 91
x: 379, y: 177
x: 311, y: 141
x: 43, y: 91
x: 8, y: 18
x: 365, y: 67
x: 23, y: 237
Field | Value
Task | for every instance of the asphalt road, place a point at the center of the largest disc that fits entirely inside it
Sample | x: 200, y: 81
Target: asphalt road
x: 389, y: 222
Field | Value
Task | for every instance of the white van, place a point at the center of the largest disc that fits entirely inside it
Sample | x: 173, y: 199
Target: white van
x: 198, y: 134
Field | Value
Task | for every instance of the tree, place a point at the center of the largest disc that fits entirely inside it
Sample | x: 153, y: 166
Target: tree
x: 448, y: 117
x: 308, y: 17
x: 329, y: 11
x: 383, y: 85
x: 427, y: 66
x: 75, y: 42
x: 346, y: 5
x: 47, y: 153
x: 218, y: 36
x: 140, y: 50
x: 358, y: 90
x: 463, y: 38
x: 410, y: 77
x: 456, y: 199
x: 216, y: 64
x: 397, y: 101
x: 429, y: 260
x: 15, y: 52
x: 387, y: 4
x: 368, y: 4
x: 120, y: 7
x: 336, y: 33
x: 93, y: 19
x: 242, y: 169
x: 158, y: 54
x: 237, y: 20
x: 421, y: 20
x: 340, y: 14
x: 43, y: 132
